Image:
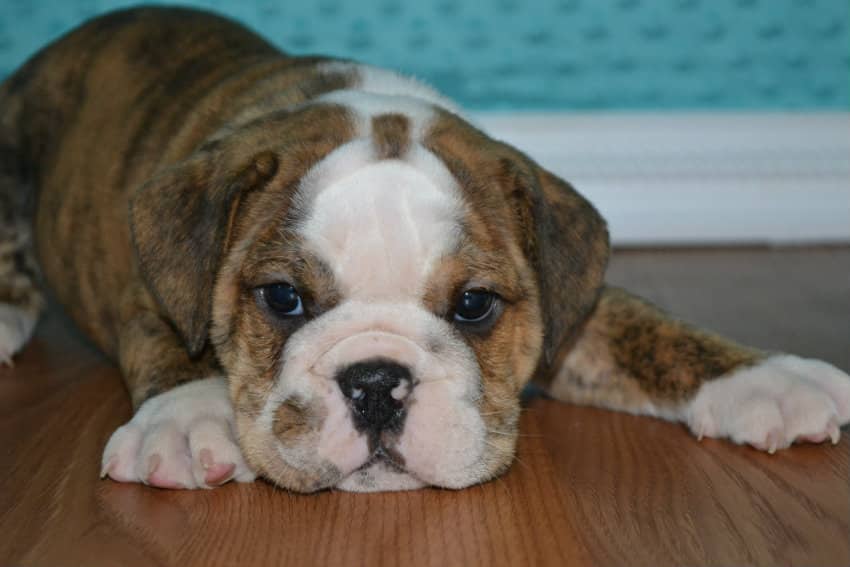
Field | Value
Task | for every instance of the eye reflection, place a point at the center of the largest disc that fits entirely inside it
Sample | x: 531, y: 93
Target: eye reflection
x: 283, y: 299
x: 475, y: 306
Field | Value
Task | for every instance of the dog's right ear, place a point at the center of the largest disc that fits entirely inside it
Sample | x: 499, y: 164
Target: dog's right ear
x: 180, y: 223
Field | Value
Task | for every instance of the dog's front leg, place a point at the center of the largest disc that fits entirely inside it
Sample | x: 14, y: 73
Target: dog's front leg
x: 631, y: 356
x: 182, y: 432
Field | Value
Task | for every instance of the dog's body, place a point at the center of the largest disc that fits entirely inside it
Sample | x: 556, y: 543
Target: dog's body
x: 376, y: 279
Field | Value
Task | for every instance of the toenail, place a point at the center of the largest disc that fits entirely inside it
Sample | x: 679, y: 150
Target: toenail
x: 224, y: 475
x: 107, y: 468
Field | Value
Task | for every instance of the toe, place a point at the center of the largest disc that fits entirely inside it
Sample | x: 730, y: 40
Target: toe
x: 830, y: 432
x: 119, y: 456
x: 807, y: 412
x: 164, y: 458
x: 215, y: 456
x: 759, y: 424
x: 773, y: 440
x: 219, y: 473
x: 830, y: 380
x: 158, y: 476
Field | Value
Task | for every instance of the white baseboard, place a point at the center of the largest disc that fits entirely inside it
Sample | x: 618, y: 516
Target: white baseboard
x: 698, y: 178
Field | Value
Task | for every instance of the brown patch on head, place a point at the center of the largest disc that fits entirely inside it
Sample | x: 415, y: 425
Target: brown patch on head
x: 553, y: 239
x: 278, y: 256
x: 186, y: 219
x: 249, y: 338
x: 507, y: 351
x: 390, y: 135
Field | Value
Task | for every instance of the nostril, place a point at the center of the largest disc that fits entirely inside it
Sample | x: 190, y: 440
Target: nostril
x: 401, y: 390
x: 376, y: 389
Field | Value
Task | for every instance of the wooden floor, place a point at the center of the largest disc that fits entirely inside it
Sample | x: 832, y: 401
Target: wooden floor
x: 589, y: 487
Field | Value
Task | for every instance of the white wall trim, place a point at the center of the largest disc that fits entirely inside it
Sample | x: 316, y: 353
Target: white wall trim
x: 698, y: 178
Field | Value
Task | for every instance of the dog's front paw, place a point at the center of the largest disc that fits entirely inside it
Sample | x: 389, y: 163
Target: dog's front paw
x: 781, y: 400
x: 180, y: 439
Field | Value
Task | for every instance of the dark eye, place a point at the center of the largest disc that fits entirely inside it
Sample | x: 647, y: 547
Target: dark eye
x: 283, y: 299
x: 474, y: 306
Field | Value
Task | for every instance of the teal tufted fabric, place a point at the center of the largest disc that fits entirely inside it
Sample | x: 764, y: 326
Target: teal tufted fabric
x: 543, y: 55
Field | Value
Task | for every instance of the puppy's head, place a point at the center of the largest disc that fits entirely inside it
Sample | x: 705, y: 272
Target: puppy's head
x: 379, y: 280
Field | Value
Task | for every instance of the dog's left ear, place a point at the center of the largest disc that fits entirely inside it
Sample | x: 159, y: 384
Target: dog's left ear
x: 181, y: 222
x: 566, y: 241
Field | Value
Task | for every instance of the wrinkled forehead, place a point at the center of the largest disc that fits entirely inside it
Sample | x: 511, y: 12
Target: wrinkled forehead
x: 381, y: 210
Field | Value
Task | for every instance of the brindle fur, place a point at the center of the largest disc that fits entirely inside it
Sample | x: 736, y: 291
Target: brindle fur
x: 138, y: 98
x: 18, y: 269
x: 19, y: 275
x: 630, y: 355
x: 391, y: 133
x: 560, y: 234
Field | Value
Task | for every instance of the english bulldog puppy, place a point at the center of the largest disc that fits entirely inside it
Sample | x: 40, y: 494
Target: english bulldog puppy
x: 321, y: 273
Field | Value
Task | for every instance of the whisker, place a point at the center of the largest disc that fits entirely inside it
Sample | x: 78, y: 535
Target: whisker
x: 518, y: 434
x: 523, y: 463
x: 503, y: 483
x: 516, y: 457
x: 435, y: 381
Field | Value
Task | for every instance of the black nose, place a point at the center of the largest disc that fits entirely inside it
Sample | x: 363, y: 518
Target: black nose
x: 377, y: 389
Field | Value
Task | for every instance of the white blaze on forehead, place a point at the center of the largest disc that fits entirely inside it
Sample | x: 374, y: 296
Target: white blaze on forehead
x: 370, y: 80
x: 378, y: 91
x: 380, y: 225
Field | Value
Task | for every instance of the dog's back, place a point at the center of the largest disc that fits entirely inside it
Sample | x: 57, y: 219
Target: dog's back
x: 138, y: 63
x: 92, y: 116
